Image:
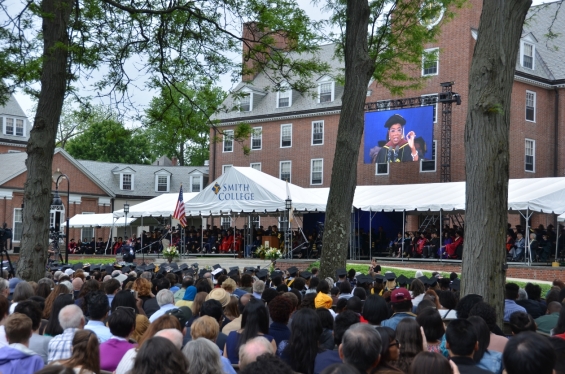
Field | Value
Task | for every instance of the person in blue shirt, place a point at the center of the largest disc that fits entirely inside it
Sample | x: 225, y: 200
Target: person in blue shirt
x: 401, y: 303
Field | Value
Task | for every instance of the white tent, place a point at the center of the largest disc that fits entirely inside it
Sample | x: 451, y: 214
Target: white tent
x: 161, y: 206
x: 546, y: 195
x: 93, y: 220
x: 246, y: 190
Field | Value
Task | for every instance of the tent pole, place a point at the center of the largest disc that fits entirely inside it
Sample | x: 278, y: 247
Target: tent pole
x: 142, y: 253
x: 370, y: 235
x: 403, y: 231
x: 556, y: 238
x: 440, y: 234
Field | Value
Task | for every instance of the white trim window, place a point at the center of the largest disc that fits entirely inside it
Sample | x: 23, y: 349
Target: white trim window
x: 228, y: 141
x: 326, y: 92
x: 196, y: 183
x: 285, y: 169
x: 257, y: 138
x: 225, y: 223
x: 383, y: 105
x: 381, y: 169
x: 429, y: 166
x: 530, y: 106
x: 162, y: 182
x: 255, y: 165
x: 284, y: 98
x: 87, y: 233
x: 246, y: 102
x: 431, y: 99
x: 317, y: 132
x: 13, y: 126
x: 17, y: 225
x: 126, y: 182
x: 255, y: 222
x: 286, y: 135
x: 225, y: 168
x: 430, y: 62
x: 530, y: 159
x: 317, y: 171
x: 527, y: 53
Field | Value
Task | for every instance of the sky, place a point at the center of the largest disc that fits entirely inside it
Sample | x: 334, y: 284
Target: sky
x: 142, y: 97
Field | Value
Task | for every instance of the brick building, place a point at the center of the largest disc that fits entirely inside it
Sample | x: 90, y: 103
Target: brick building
x: 95, y: 187
x: 296, y: 134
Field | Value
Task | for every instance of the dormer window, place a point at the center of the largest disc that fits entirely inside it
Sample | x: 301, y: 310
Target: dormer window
x: 245, y: 103
x: 14, y: 126
x: 162, y: 181
x: 284, y: 99
x: 126, y: 182
x: 527, y: 55
x: 326, y: 92
x: 195, y: 183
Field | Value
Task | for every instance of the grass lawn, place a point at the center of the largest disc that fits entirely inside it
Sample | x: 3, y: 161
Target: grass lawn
x: 94, y: 260
x: 545, y: 287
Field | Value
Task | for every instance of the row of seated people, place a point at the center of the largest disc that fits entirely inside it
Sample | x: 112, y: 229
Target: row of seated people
x: 428, y: 245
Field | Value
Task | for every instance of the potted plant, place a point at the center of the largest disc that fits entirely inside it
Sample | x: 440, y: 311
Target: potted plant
x: 170, y: 253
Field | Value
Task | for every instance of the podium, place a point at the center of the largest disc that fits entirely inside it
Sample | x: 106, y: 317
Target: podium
x: 273, y: 241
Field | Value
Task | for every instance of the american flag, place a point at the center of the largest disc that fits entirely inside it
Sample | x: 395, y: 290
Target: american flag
x: 179, y: 210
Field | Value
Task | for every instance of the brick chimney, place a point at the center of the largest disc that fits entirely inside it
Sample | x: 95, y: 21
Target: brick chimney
x: 175, y: 161
x: 251, y: 36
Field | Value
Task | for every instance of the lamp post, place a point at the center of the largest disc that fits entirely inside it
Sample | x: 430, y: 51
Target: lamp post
x: 57, y: 204
x: 287, y: 234
x: 126, y: 211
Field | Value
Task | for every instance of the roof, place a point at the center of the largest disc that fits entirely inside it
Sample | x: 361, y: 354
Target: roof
x: 13, y: 164
x: 550, y: 53
x: 266, y: 105
x: 144, y: 176
x: 12, y: 108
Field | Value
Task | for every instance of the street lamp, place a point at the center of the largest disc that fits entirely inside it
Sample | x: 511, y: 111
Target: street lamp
x: 57, y: 204
x: 126, y: 211
x: 287, y: 234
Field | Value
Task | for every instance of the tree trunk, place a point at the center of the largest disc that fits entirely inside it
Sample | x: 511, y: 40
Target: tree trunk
x: 358, y: 71
x: 487, y: 149
x: 41, y: 144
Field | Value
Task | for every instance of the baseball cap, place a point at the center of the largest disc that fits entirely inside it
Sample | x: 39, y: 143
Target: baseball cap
x: 399, y: 295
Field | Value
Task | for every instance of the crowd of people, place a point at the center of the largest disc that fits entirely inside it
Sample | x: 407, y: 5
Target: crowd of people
x: 181, y: 319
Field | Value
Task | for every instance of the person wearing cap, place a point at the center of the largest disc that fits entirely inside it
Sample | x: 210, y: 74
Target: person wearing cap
x: 401, y: 303
x: 292, y: 273
x: 341, y: 275
x: 397, y: 148
x: 390, y: 281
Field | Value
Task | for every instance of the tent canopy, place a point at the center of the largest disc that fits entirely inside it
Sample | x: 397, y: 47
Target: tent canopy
x: 545, y: 195
x: 246, y: 190
x: 161, y: 206
x: 107, y: 220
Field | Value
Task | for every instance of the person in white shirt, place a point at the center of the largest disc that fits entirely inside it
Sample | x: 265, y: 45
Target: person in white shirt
x: 166, y: 301
x: 98, y: 308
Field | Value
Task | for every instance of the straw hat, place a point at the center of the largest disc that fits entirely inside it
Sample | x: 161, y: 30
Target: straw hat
x: 219, y: 294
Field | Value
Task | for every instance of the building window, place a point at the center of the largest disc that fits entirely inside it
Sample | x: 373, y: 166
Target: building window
x: 245, y: 103
x: 530, y: 164
x: 284, y: 98
x: 326, y: 92
x: 162, y: 183
x: 381, y: 169
x: 195, y: 183
x: 317, y: 132
x: 255, y: 222
x: 285, y: 169
x: 9, y: 126
x: 316, y: 171
x: 255, y: 165
x: 431, y: 100
x: 429, y: 165
x: 530, y: 106
x: 87, y: 233
x: 286, y: 136
x: 228, y: 141
x: 18, y: 225
x: 430, y: 62
x: 383, y: 105
x: 13, y: 126
x: 127, y: 182
x: 225, y: 168
x: 257, y: 138
x: 19, y: 127
x: 527, y: 55
x: 225, y: 223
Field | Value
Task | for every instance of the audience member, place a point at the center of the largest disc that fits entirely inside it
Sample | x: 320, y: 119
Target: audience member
x: 488, y: 360
x: 528, y: 352
x: 203, y: 357
x: 280, y: 309
x: 390, y: 352
x: 254, y: 348
x: 400, y: 300
x: 411, y: 342
x: 159, y: 355
x: 86, y: 354
x: 431, y: 363
x: 361, y: 347
x: 166, y: 301
x: 98, y: 308
x: 510, y: 297
x: 37, y: 343
x: 300, y: 351
x: 547, y: 322
x: 71, y: 319
x: 122, y: 325
x: 17, y: 358
x: 462, y: 343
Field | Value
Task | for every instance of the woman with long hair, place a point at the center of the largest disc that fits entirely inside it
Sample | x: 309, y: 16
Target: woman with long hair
x: 127, y: 299
x: 203, y: 357
x: 410, y: 342
x: 159, y: 355
x: 254, y: 322
x: 417, y: 290
x: 53, y: 327
x: 87, y: 287
x: 143, y: 288
x: 58, y: 290
x: 231, y: 311
x: 22, y: 292
x: 196, y: 305
x: 430, y: 320
x: 375, y: 310
x: 85, y: 358
x: 301, y: 349
x: 485, y: 358
x: 389, y: 352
